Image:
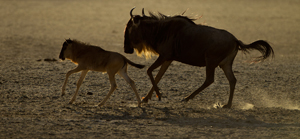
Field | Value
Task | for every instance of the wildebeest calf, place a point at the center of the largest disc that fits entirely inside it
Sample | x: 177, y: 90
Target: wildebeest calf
x: 94, y: 58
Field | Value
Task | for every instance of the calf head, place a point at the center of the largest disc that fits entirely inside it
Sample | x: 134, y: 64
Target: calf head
x: 66, y: 49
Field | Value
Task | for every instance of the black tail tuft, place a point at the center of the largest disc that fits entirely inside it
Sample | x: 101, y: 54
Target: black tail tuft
x: 137, y: 65
x: 134, y: 64
x: 262, y: 46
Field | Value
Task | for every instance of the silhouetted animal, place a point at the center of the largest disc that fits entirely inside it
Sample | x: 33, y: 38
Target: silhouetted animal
x: 179, y: 38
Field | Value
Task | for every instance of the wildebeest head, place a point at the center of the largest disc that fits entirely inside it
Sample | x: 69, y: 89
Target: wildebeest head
x: 145, y: 33
x: 64, y: 53
x: 131, y: 32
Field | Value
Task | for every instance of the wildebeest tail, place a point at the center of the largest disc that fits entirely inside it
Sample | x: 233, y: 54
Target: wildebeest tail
x: 262, y: 46
x: 133, y: 64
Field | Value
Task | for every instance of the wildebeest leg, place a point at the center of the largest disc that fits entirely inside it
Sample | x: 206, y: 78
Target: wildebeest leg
x: 210, y: 73
x: 232, y: 81
x: 113, y: 87
x: 160, y: 73
x: 83, y: 74
x: 226, y: 66
x: 123, y: 73
x: 77, y: 69
x: 155, y: 65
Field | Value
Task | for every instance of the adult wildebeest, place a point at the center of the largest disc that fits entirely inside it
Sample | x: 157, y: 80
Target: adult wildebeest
x: 89, y: 57
x: 179, y: 38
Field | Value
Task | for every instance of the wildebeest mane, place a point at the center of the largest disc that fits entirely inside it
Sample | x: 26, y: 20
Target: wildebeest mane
x: 161, y: 16
x: 79, y: 43
x: 83, y: 46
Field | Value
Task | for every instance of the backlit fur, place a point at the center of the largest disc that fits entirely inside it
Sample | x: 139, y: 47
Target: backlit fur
x: 89, y: 57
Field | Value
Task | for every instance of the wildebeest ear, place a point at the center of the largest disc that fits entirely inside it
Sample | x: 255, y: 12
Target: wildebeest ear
x: 69, y: 41
x: 143, y: 13
x: 184, y: 11
x: 136, y: 20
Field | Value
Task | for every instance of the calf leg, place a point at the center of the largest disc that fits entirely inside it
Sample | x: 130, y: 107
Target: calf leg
x: 113, y: 87
x: 159, y: 75
x: 83, y: 74
x: 77, y: 69
x: 124, y: 74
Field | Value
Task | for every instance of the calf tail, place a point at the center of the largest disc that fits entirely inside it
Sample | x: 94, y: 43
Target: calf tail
x: 133, y: 64
x: 262, y: 46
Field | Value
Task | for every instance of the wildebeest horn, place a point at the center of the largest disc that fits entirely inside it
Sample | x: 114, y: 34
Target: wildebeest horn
x: 143, y: 13
x: 184, y: 11
x: 131, y: 12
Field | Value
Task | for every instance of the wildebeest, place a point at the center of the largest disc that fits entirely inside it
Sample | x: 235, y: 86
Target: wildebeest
x: 178, y: 38
x: 89, y: 57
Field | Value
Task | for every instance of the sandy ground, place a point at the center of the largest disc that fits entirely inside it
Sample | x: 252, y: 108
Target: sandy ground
x: 266, y: 102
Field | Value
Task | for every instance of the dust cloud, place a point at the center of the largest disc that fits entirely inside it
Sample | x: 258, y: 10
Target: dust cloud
x: 265, y: 99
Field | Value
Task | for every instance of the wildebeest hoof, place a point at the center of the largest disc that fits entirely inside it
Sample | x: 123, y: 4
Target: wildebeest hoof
x: 227, y: 106
x: 71, y: 102
x: 139, y: 104
x: 184, y: 100
x: 159, y: 96
x: 144, y: 100
x: 100, y: 104
x: 95, y: 106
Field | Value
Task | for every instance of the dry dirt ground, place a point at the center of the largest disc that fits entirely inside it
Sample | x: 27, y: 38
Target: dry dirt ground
x: 266, y: 102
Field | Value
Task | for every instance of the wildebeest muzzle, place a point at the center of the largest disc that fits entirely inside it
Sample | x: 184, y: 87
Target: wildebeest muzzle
x: 61, y: 55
